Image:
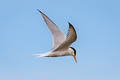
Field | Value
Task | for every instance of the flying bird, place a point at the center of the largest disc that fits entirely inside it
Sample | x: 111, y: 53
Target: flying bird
x: 61, y: 43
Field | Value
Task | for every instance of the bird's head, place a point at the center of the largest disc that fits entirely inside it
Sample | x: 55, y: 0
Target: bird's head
x: 74, y: 54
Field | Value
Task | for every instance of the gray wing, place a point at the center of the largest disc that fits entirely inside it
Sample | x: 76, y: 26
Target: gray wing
x: 58, y: 35
x: 71, y: 37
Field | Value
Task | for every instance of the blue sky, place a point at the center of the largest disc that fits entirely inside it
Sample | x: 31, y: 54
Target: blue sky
x: 23, y: 32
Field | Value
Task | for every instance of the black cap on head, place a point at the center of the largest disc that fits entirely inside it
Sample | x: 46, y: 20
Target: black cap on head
x: 73, y: 50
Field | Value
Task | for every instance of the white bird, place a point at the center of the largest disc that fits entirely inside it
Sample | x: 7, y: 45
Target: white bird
x: 61, y: 44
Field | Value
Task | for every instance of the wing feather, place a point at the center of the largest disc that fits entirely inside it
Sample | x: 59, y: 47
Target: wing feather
x: 71, y: 37
x: 58, y: 35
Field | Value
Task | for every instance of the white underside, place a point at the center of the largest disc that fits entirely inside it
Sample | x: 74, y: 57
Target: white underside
x: 67, y: 52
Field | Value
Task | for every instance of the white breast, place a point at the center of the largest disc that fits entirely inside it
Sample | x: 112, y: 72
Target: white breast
x: 61, y: 53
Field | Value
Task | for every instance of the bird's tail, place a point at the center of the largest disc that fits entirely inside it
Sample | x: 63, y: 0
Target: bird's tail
x: 40, y: 55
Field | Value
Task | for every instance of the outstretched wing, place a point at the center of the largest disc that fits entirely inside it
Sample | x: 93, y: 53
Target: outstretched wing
x: 58, y: 35
x: 71, y: 37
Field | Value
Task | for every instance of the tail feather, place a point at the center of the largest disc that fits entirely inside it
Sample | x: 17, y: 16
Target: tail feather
x: 41, y: 55
x: 38, y: 55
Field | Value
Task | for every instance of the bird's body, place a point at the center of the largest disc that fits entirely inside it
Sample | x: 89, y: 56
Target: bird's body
x: 61, y: 44
x: 66, y: 52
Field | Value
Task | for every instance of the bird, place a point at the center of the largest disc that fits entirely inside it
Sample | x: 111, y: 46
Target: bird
x: 61, y: 43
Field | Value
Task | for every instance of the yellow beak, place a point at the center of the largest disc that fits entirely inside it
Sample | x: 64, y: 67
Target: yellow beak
x: 75, y: 58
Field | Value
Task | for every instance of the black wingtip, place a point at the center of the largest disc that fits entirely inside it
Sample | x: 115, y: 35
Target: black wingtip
x: 70, y: 25
x: 40, y: 11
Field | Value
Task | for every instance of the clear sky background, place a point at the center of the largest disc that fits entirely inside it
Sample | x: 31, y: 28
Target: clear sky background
x: 23, y: 33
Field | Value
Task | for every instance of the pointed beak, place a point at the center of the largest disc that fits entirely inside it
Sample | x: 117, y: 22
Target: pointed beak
x: 75, y: 58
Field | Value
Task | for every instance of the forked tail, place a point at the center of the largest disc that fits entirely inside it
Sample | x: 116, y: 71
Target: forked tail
x: 41, y: 55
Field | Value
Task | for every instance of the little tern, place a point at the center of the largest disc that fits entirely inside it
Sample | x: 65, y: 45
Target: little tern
x: 61, y: 43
